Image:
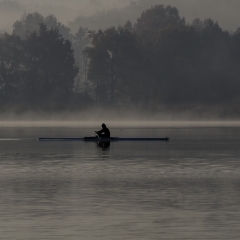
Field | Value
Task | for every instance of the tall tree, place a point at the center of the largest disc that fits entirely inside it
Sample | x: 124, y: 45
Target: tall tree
x: 174, y: 61
x: 156, y: 18
x: 11, y: 68
x: 112, y: 57
x: 147, y: 28
x: 213, y: 66
x: 50, y: 66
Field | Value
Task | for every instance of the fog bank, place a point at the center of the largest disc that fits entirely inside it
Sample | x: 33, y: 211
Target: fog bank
x: 225, y: 12
x: 129, y: 115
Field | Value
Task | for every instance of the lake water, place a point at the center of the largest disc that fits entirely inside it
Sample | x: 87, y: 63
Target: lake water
x: 187, y: 188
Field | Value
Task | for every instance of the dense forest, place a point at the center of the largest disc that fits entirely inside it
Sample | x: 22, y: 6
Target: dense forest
x: 157, y: 60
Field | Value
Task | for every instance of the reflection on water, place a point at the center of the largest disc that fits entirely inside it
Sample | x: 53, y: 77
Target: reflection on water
x: 187, y: 188
x: 103, y: 144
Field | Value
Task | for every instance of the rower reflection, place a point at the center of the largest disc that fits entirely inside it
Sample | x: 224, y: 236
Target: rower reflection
x: 103, y: 144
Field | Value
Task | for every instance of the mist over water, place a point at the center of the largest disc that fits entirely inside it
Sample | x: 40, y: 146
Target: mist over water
x: 121, y: 117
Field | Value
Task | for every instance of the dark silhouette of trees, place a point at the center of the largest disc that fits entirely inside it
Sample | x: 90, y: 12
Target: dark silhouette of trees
x: 234, y: 68
x: 30, y: 22
x: 50, y: 66
x: 52, y: 22
x: 235, y: 46
x: 38, y: 71
x: 176, y: 62
x: 156, y: 18
x: 158, y: 60
x: 11, y: 68
x: 151, y: 29
x: 174, y: 56
x: 27, y: 24
x: 213, y: 67
x: 112, y: 58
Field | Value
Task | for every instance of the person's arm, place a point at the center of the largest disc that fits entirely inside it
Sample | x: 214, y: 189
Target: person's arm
x: 100, y: 132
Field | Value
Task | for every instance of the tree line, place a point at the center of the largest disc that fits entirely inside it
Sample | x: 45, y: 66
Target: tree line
x: 158, y: 60
x: 163, y: 60
x: 41, y: 64
x: 36, y: 71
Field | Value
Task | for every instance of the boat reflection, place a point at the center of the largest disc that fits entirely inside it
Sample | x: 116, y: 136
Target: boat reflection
x: 103, y: 144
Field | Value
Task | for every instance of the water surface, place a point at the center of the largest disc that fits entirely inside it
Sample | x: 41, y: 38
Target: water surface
x: 187, y: 188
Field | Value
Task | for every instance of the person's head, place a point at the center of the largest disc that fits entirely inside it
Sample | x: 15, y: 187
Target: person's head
x: 104, y: 125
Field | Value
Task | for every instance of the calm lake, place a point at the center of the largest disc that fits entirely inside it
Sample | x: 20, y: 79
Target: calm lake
x: 187, y: 188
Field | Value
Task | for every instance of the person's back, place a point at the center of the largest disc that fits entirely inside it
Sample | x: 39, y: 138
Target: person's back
x: 104, y: 132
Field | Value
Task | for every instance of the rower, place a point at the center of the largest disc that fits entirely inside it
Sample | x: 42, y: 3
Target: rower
x: 104, y: 133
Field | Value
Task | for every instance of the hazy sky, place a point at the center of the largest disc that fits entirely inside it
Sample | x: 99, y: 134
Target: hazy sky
x: 226, y: 12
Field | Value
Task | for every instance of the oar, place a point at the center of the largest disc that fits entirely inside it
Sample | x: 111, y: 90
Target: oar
x: 97, y: 134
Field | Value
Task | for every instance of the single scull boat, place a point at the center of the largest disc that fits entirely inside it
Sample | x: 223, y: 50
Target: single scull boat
x: 97, y: 139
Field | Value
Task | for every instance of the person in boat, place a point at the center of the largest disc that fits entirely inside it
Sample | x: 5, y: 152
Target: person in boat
x: 104, y: 133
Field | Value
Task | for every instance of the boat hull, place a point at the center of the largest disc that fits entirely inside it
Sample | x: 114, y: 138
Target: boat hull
x: 96, y: 139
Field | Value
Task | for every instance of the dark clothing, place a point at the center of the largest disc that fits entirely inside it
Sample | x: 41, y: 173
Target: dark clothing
x: 104, y: 133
